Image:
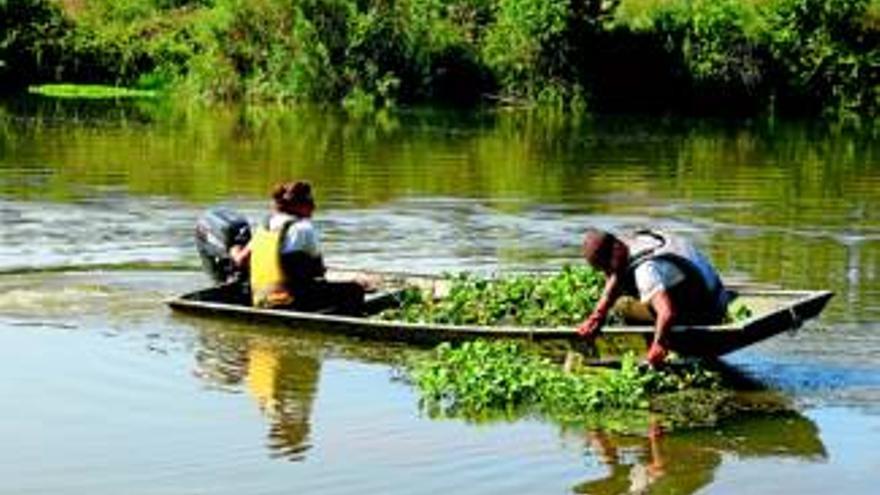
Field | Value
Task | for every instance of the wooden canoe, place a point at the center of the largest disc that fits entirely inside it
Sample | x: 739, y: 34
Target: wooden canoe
x: 774, y: 312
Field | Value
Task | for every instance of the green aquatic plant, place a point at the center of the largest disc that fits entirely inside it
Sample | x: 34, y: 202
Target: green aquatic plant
x: 90, y: 91
x: 565, y: 298
x: 737, y: 311
x: 482, y: 379
x: 561, y: 299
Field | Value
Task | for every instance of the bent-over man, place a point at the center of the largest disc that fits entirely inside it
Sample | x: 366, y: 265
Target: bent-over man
x: 671, y: 280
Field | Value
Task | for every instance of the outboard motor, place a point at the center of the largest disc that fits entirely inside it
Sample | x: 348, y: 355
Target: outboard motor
x: 217, y: 230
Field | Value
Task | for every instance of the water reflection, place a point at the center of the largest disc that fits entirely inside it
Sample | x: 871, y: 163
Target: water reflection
x: 285, y: 394
x: 282, y: 381
x: 793, y: 204
x: 281, y: 374
x: 686, y: 463
x: 788, y: 204
x: 280, y: 370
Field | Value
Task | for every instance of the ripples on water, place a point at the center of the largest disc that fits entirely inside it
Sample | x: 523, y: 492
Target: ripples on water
x: 174, y: 404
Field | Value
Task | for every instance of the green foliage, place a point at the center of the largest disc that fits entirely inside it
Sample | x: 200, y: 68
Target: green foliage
x: 562, y: 55
x: 133, y: 42
x: 483, y: 379
x: 565, y: 298
x: 378, y: 51
x: 321, y: 31
x: 716, y: 42
x: 804, y: 55
x: 515, y: 44
x: 828, y: 53
x: 536, y: 48
x: 31, y: 41
x: 361, y: 54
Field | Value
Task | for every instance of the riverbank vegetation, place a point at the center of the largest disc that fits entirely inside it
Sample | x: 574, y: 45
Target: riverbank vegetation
x: 705, y: 56
x: 490, y: 380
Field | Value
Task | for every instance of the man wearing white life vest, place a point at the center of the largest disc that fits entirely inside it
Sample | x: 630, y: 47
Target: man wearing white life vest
x: 671, y: 280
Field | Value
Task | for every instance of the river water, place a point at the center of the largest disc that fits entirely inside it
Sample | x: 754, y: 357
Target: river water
x: 106, y: 391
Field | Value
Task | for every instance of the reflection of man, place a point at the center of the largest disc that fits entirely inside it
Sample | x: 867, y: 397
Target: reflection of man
x: 284, y: 387
x: 686, y: 463
x: 283, y: 382
x: 674, y: 283
x: 691, y: 467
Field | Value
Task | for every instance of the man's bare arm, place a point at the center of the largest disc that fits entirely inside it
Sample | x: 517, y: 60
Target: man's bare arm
x: 610, y: 293
x: 240, y: 254
x: 665, y: 312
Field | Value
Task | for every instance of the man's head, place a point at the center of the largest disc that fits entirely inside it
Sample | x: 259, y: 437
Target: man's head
x: 604, y: 251
x: 294, y: 198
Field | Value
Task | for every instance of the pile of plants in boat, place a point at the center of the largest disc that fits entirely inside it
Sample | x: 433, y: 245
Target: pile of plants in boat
x: 565, y: 298
x: 561, y: 299
x: 484, y: 380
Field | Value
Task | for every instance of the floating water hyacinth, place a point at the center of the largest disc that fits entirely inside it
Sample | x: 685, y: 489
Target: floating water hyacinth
x: 486, y: 380
x: 90, y: 91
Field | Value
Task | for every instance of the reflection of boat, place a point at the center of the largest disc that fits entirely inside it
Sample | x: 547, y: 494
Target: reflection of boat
x: 686, y: 462
x: 774, y: 311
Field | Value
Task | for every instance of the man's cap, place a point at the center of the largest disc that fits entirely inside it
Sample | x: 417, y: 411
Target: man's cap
x: 597, y: 244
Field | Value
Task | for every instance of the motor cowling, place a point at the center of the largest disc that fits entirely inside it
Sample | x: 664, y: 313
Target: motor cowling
x: 217, y: 230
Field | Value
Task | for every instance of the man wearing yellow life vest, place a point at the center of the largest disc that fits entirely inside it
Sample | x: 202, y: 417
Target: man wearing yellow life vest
x: 286, y: 265
x: 671, y: 280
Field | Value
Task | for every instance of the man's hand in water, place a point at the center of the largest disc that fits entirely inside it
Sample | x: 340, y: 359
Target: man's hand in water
x: 592, y: 326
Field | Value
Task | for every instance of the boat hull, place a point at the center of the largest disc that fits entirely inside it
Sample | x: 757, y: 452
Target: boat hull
x: 777, y: 311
